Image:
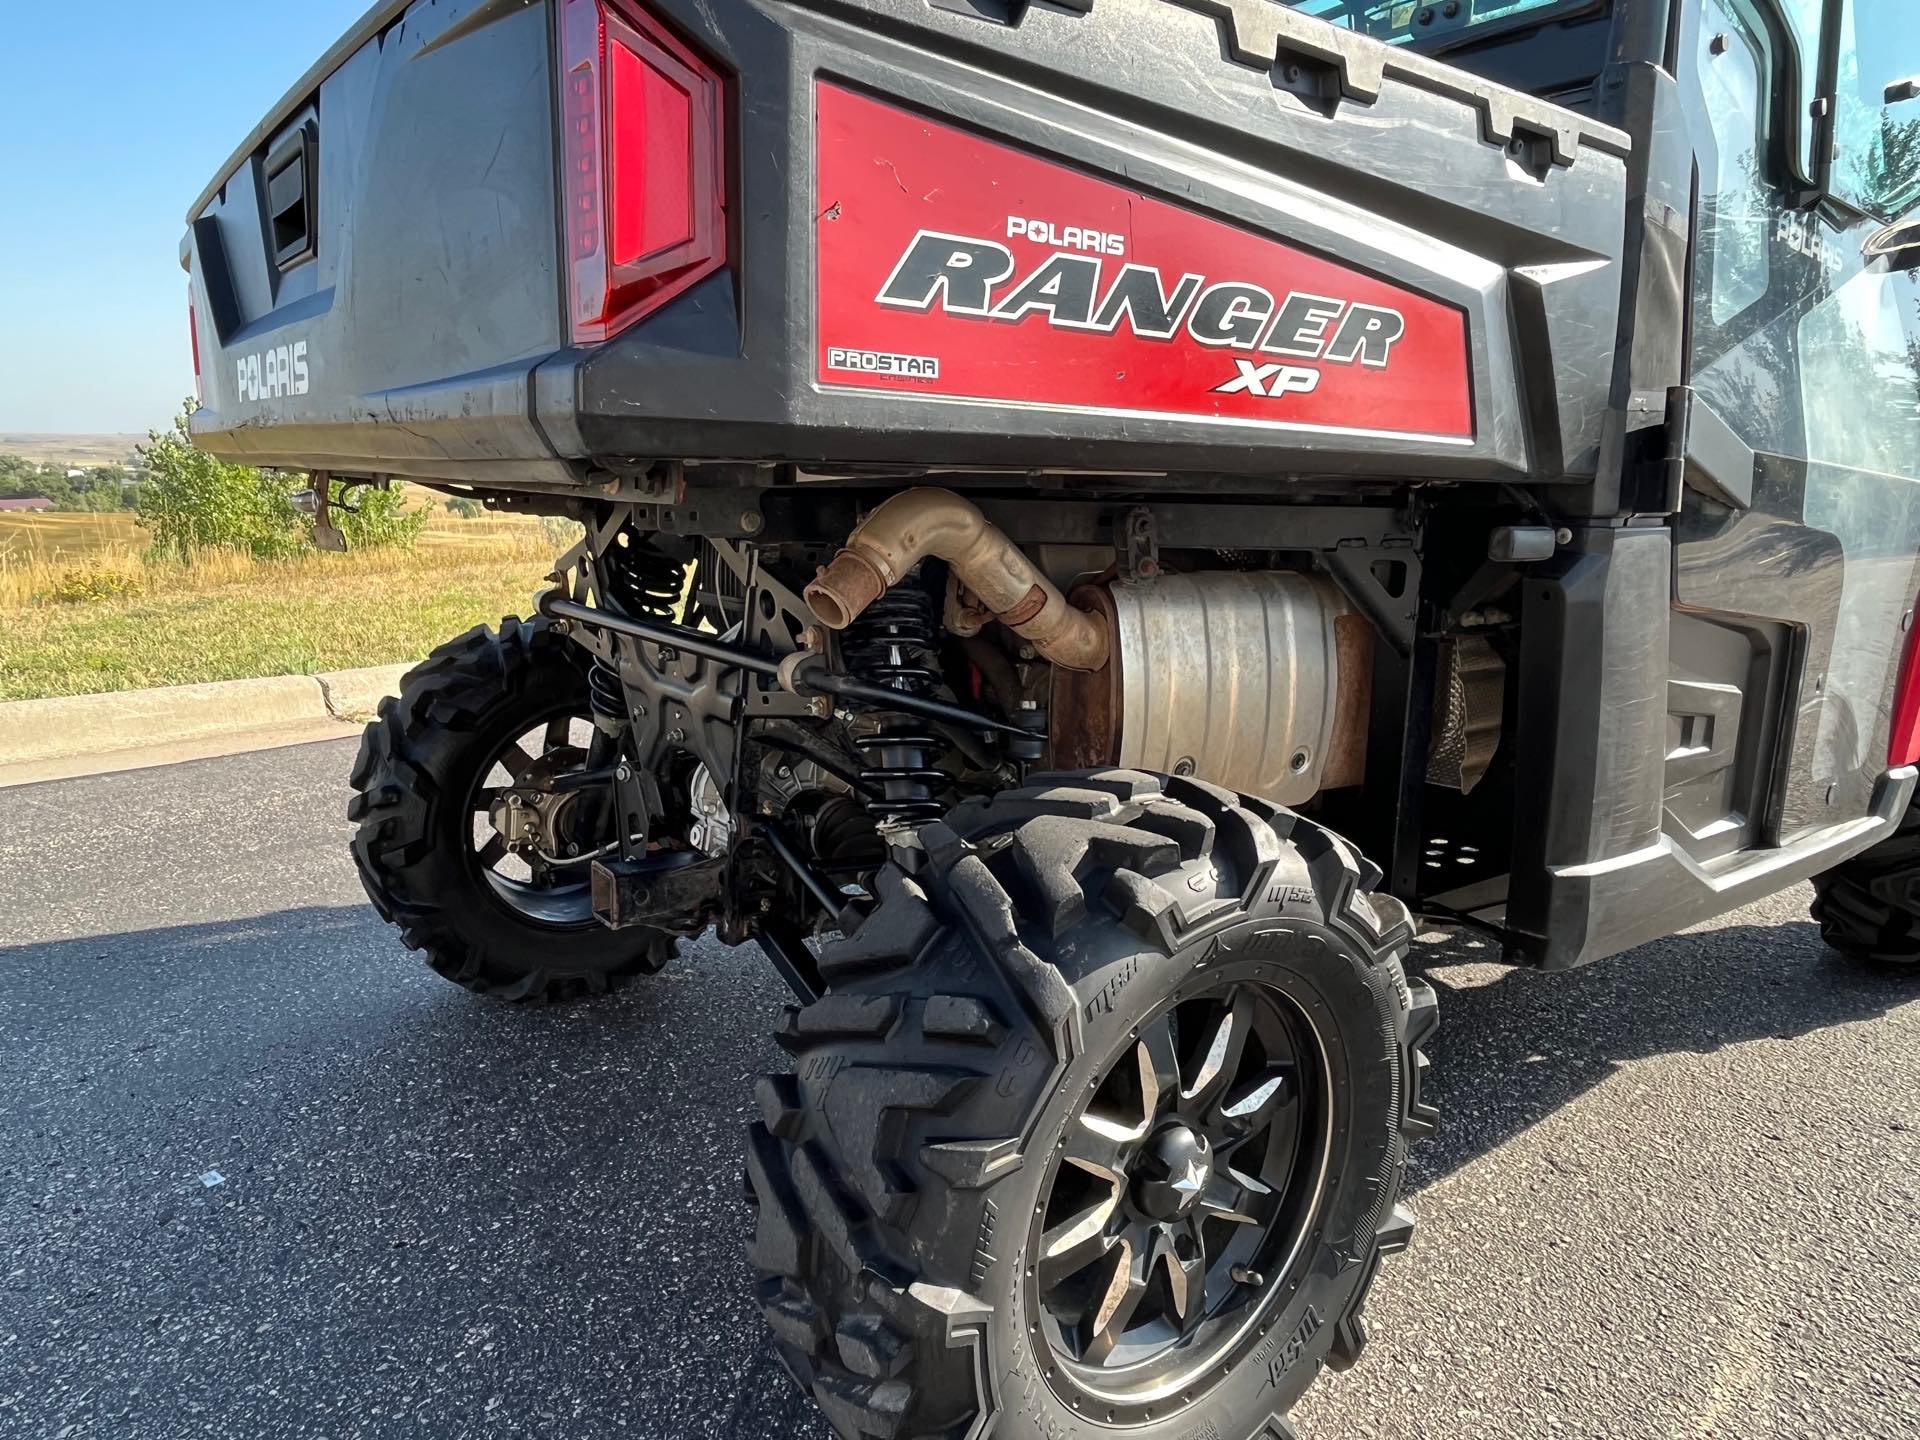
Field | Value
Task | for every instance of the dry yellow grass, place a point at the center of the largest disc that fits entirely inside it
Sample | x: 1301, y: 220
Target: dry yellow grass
x: 140, y: 622
x: 42, y: 553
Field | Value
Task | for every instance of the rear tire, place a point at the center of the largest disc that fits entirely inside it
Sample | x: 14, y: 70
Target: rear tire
x: 1869, y: 907
x: 912, y: 1237
x: 419, y: 761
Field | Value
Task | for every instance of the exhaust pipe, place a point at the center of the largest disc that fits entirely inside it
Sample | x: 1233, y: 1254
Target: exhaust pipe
x: 918, y: 523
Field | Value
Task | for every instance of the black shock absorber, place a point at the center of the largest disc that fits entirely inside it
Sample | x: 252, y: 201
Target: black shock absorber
x: 605, y: 694
x: 892, y: 644
x: 643, y: 583
x: 642, y: 579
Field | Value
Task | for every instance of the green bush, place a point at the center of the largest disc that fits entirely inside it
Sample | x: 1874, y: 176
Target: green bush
x: 191, y: 501
x: 377, y: 518
x: 466, y: 507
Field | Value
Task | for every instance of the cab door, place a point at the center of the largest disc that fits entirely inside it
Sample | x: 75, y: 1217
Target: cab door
x: 1795, y: 583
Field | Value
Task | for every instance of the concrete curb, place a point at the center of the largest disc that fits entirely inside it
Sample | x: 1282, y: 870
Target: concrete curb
x: 35, y: 732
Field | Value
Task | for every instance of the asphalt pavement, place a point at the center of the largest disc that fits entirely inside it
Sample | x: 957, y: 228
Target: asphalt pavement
x: 265, y: 1176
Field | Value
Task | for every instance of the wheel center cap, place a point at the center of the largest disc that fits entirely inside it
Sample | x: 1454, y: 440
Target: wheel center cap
x: 1174, y: 1171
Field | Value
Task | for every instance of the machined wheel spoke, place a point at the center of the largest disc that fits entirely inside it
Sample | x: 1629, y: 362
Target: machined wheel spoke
x: 1184, y: 1259
x: 1151, y: 1089
x: 515, y: 760
x: 1219, y: 1063
x: 492, y: 853
x: 1114, y: 1303
x: 1226, y: 1199
x: 1250, y: 1184
x: 484, y: 798
x: 1099, y: 1146
x: 1159, y: 1058
x: 559, y: 731
x: 1251, y: 1106
x: 1079, y: 1240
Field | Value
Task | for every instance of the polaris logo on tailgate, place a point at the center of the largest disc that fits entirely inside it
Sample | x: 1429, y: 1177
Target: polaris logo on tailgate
x: 277, y: 371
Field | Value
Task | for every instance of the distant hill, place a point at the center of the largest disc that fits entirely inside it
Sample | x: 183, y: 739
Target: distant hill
x: 77, y: 451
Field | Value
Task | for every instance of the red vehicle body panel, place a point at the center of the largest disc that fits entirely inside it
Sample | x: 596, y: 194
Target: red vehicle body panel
x: 1098, y: 297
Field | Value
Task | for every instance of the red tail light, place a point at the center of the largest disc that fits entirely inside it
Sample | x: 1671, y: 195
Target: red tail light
x: 1903, y: 741
x: 644, y: 192
x: 193, y: 330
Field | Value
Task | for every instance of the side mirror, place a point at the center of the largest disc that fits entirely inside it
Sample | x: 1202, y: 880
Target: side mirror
x: 1898, y: 244
x: 1901, y: 91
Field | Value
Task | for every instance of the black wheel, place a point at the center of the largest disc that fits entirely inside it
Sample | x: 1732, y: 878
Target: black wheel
x: 480, y: 718
x: 1869, y: 908
x: 1102, y: 1122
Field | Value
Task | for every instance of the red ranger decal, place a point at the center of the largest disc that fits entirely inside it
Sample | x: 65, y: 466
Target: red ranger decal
x: 952, y: 266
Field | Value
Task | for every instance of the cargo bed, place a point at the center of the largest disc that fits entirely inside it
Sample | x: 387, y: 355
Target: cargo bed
x: 1110, y: 235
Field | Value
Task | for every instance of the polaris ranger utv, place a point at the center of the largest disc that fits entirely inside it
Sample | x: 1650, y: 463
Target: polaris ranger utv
x: 1097, y: 514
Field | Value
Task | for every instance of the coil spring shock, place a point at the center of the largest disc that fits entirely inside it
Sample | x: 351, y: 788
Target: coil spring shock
x: 642, y: 580
x: 892, y: 644
x: 644, y: 584
x: 605, y: 694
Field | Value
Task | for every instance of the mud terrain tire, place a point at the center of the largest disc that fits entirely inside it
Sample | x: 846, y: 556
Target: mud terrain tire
x: 899, y: 1172
x: 418, y: 760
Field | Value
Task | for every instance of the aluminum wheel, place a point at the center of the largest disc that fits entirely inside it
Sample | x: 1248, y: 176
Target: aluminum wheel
x: 532, y: 843
x: 1181, y: 1193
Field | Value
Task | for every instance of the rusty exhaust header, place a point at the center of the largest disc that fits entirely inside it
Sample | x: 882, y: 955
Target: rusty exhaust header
x: 918, y: 523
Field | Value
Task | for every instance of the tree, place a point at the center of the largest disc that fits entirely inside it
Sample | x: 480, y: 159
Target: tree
x: 190, y: 501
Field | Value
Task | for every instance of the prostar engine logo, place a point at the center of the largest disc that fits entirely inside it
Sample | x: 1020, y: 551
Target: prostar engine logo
x: 277, y: 371
x: 974, y: 277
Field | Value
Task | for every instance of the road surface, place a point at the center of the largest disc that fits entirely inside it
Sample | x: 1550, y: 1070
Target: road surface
x: 265, y: 1176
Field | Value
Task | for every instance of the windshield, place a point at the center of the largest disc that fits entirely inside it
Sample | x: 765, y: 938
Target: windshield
x: 1402, y: 22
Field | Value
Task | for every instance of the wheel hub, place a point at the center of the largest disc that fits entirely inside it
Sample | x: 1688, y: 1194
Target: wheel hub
x: 534, y: 818
x: 1173, y: 1172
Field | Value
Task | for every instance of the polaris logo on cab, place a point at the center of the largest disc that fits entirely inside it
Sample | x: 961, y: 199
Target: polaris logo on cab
x: 278, y: 371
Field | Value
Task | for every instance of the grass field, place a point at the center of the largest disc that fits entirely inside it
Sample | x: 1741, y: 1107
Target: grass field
x: 78, y: 451
x: 40, y: 535
x: 229, y: 616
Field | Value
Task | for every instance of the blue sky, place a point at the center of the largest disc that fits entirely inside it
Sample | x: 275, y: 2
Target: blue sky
x: 113, y: 116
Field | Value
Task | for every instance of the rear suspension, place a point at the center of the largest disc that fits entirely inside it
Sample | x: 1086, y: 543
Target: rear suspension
x: 892, y: 645
x: 644, y: 583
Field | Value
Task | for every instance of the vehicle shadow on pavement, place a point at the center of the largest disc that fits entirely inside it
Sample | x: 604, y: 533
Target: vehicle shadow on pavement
x: 1517, y: 1045
x: 273, y: 1171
